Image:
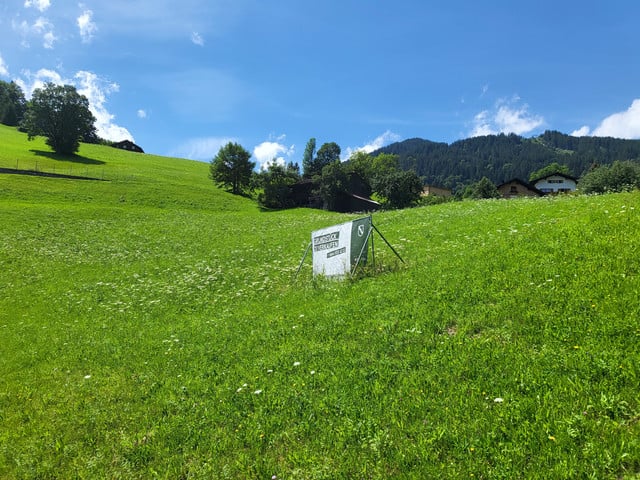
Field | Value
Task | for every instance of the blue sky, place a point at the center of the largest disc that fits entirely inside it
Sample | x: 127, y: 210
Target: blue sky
x: 183, y: 78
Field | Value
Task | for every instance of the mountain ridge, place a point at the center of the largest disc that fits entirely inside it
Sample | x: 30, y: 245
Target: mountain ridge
x: 506, y: 156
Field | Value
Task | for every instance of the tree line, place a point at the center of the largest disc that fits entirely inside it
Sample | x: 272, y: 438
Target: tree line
x: 379, y: 177
x: 57, y: 112
x: 394, y: 175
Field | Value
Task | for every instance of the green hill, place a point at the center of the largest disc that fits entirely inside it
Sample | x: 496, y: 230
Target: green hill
x: 504, y: 157
x: 150, y: 327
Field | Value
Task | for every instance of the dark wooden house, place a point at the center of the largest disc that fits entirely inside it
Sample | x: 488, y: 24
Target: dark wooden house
x: 128, y: 145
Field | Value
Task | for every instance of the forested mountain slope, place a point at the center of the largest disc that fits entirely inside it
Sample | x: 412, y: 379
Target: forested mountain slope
x: 503, y: 157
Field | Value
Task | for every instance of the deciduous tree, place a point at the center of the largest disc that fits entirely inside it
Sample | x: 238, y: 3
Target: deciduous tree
x: 484, y: 188
x: 334, y: 181
x: 232, y: 168
x: 550, y: 169
x: 276, y: 182
x: 400, y: 189
x: 327, y: 154
x: 12, y: 103
x: 618, y: 177
x: 61, y: 114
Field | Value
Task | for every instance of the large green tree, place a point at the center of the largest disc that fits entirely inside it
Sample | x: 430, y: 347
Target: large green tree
x: 327, y: 154
x: 276, y: 182
x: 61, y: 114
x: 12, y: 103
x: 232, y: 168
x: 385, y: 164
x: 483, y: 188
x: 618, y: 177
x: 334, y: 180
x: 550, y: 169
x: 399, y: 188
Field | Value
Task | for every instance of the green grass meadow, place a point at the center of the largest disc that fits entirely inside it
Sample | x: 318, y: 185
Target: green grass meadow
x: 151, y: 327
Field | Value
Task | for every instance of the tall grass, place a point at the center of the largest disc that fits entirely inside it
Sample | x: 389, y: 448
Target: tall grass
x: 150, y: 327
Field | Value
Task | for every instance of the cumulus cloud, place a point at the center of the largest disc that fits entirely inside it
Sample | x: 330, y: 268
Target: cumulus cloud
x: 622, y: 124
x: 380, y: 141
x: 142, y: 113
x: 4, y: 70
x: 204, y: 148
x: 97, y: 90
x: 506, y: 117
x: 86, y: 25
x: 91, y: 86
x: 581, y: 132
x: 41, y: 5
x: 39, y: 79
x: 270, y: 152
x: 197, y: 39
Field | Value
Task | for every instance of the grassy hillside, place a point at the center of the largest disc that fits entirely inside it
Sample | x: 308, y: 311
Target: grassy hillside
x: 150, y: 328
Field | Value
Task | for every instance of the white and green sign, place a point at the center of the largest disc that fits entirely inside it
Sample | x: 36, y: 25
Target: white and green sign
x: 337, y: 249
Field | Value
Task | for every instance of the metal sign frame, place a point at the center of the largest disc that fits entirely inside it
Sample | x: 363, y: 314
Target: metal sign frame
x: 333, y: 241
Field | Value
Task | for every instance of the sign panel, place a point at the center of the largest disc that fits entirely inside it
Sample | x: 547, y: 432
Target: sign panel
x: 336, y: 249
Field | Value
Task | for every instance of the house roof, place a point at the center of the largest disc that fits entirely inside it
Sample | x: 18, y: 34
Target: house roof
x: 128, y: 145
x: 556, y: 174
x: 364, y: 199
x: 527, y: 185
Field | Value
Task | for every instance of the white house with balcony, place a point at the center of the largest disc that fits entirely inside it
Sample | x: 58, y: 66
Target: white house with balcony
x: 556, y: 183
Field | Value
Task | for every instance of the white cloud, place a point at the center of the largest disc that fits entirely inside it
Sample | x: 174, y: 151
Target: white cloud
x: 142, y: 113
x: 86, y: 25
x: 506, y: 117
x: 38, y: 80
x: 271, y: 152
x: 48, y: 39
x: 91, y: 86
x: 380, y: 141
x: 581, y: 132
x: 482, y: 125
x: 41, y: 27
x: 41, y: 5
x: 517, y: 120
x: 4, y: 70
x: 96, y: 90
x: 197, y: 39
x: 622, y: 124
x: 201, y: 148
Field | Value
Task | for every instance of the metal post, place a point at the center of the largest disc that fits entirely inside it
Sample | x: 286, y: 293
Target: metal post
x: 388, y: 244
x: 364, y: 247
x: 302, y: 261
